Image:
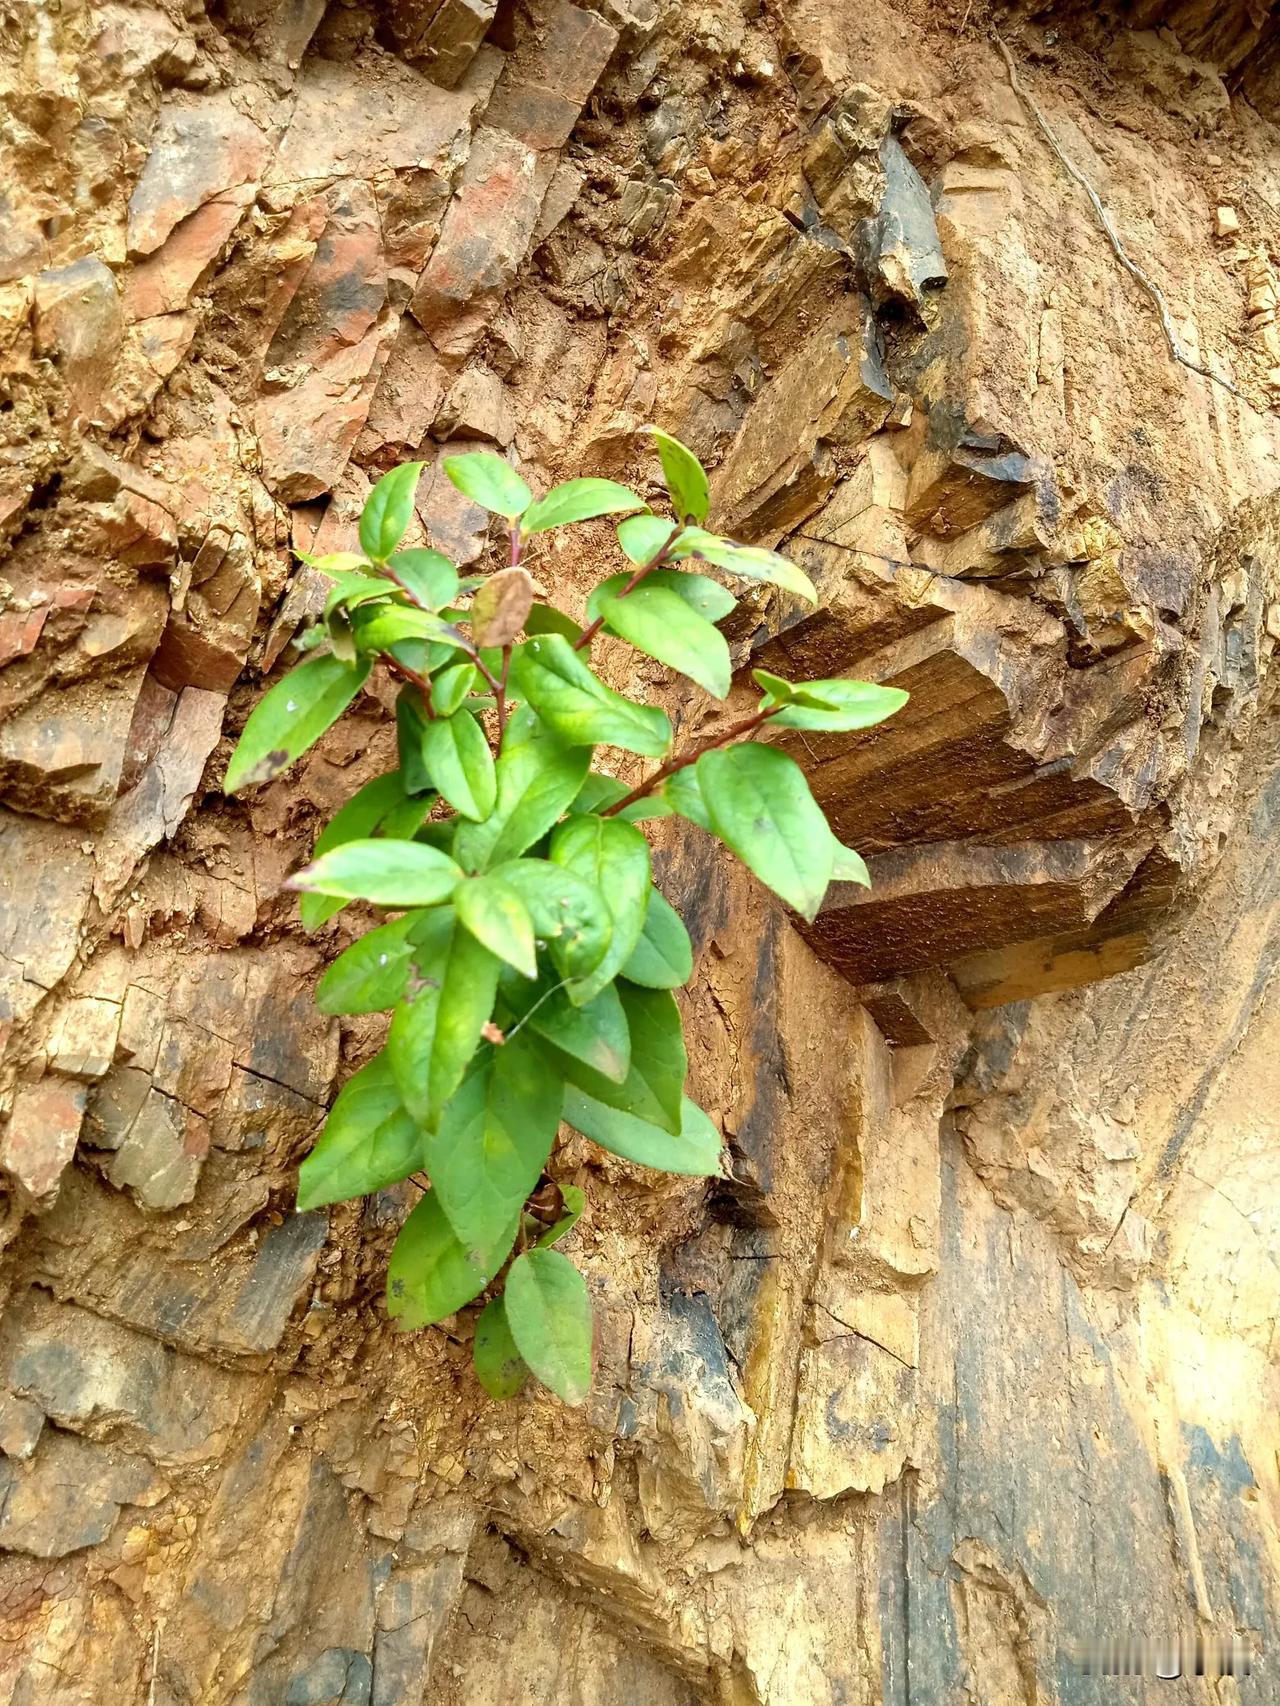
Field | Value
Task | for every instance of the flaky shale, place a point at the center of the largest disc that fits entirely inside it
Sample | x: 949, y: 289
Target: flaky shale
x: 971, y: 1356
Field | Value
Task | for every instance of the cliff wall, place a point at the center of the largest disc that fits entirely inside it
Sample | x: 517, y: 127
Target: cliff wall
x: 973, y: 1354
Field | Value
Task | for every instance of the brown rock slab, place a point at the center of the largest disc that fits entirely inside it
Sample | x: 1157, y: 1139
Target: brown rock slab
x: 940, y: 901
x: 199, y: 152
x: 546, y: 81
x: 454, y: 524
x: 346, y: 124
x: 123, y: 512
x: 82, y: 1043
x: 61, y: 757
x: 40, y: 1138
x: 478, y: 407
x: 105, y: 1381
x: 963, y: 475
x: 39, y: 924
x: 69, y: 1495
x: 20, y: 1423
x: 160, y: 1158
x: 152, y: 810
x: 166, y: 280
x: 211, y: 624
x: 833, y: 390
x: 853, y: 1404
x: 440, y: 35
x: 326, y: 357
x: 410, y: 389
x: 153, y: 350
x: 20, y: 632
x: 79, y: 322
x: 484, y: 238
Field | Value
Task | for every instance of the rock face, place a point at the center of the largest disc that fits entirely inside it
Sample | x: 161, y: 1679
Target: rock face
x: 972, y: 1356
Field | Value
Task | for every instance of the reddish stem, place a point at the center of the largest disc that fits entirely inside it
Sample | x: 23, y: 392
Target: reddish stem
x: 501, y: 692
x: 588, y: 634
x: 683, y: 760
x: 421, y: 682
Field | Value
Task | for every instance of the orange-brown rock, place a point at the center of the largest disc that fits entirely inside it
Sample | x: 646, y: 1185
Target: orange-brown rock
x: 970, y: 1354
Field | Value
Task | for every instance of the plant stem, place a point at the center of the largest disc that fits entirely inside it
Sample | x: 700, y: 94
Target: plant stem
x: 691, y: 755
x: 659, y: 557
x: 421, y: 682
x: 502, y: 692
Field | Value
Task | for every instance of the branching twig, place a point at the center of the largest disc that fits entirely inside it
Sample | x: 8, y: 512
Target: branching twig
x: 691, y: 755
x: 659, y: 557
x: 1104, y: 219
x: 421, y: 682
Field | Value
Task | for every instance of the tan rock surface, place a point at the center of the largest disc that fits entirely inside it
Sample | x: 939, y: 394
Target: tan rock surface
x: 972, y: 1355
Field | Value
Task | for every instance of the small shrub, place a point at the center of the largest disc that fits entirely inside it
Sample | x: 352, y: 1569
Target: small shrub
x: 528, y: 961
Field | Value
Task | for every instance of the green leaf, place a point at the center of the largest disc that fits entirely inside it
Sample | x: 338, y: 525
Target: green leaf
x: 495, y: 915
x: 458, y: 761
x: 643, y: 536
x: 370, y: 976
x: 386, y: 873
x: 436, y: 1030
x: 685, y: 476
x: 663, y: 957
x: 431, y: 1275
x: 849, y: 866
x: 537, y: 777
x: 451, y: 686
x: 549, y: 1314
x: 424, y: 656
x: 489, y: 480
x: 391, y: 624
x: 654, y: 1084
x: 683, y: 793
x: 353, y: 589
x: 837, y: 704
x: 405, y: 822
x: 613, y: 857
x: 341, y: 634
x: 546, y: 619
x: 595, y: 1034
x: 703, y: 595
x: 368, y: 1141
x: 334, y: 563
x: 574, y: 1202
x: 411, y: 727
x: 388, y: 510
x: 654, y: 617
x: 578, y: 500
x: 578, y: 707
x: 291, y: 716
x: 427, y: 576
x: 750, y: 562
x: 493, y: 1139
x: 759, y: 805
x: 695, y: 1149
x: 569, y: 914
x: 499, y: 1367
x: 361, y: 815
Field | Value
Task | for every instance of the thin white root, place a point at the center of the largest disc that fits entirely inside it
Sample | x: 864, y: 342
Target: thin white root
x: 1113, y: 237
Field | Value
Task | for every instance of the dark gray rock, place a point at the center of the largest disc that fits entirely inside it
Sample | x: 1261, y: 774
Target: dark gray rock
x: 901, y: 255
x: 69, y: 1495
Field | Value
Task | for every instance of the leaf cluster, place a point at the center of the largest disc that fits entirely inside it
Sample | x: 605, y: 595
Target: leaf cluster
x: 526, y: 958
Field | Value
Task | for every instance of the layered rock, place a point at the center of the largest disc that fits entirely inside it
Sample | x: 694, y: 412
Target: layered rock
x: 970, y: 1356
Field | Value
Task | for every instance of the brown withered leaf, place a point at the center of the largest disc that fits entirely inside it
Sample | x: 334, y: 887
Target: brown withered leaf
x: 500, y: 606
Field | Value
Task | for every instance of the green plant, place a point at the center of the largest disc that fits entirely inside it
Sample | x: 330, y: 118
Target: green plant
x: 530, y: 962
